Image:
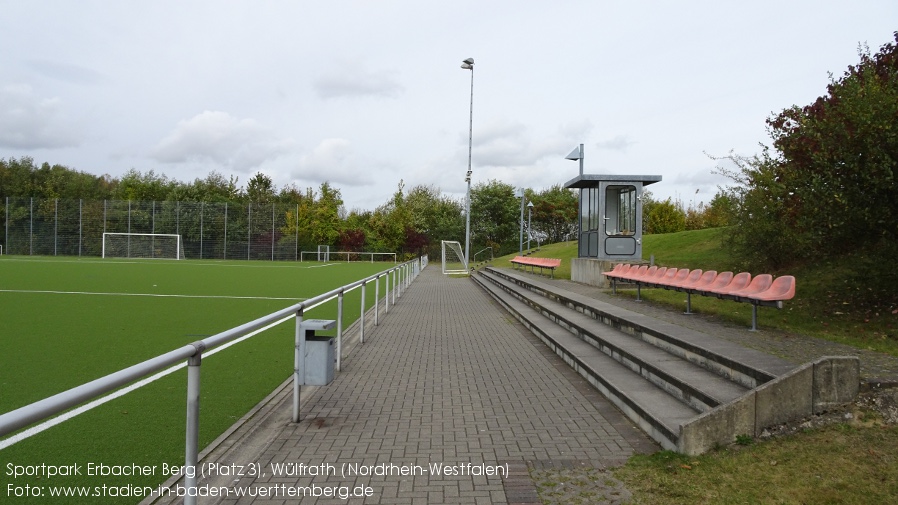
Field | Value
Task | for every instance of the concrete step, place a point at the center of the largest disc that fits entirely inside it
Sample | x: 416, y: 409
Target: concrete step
x: 655, y: 411
x: 688, y: 390
x: 747, y: 367
x: 688, y: 382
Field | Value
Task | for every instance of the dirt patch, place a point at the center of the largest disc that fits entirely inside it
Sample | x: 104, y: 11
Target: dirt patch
x: 873, y: 407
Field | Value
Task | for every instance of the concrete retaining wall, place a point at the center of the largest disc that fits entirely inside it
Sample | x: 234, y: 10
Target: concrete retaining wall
x: 809, y: 389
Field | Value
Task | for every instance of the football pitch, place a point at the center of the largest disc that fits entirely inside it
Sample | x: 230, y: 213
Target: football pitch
x: 66, y: 321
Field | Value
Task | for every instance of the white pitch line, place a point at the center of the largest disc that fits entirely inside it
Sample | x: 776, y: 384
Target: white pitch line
x: 30, y: 432
x: 159, y: 295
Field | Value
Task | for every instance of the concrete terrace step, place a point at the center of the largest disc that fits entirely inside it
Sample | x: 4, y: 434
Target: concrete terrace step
x: 690, y: 383
x: 745, y: 366
x: 661, y: 375
x: 655, y: 411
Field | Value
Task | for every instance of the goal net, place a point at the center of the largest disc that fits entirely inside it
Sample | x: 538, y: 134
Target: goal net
x: 453, y: 258
x: 143, y: 245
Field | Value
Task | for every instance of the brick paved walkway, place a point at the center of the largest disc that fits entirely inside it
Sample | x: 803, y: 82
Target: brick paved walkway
x: 447, y: 378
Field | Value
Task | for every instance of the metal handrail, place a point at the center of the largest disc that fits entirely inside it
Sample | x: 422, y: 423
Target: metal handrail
x: 11, y: 421
x: 489, y: 248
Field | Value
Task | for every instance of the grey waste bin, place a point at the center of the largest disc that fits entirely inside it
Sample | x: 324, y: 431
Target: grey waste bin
x: 318, y: 362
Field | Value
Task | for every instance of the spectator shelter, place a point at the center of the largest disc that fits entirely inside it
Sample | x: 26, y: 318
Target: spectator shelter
x: 610, y: 222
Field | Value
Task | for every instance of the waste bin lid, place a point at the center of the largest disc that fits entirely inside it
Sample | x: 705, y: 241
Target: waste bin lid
x: 317, y: 324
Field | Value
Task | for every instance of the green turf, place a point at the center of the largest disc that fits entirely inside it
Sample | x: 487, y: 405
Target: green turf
x: 55, y: 341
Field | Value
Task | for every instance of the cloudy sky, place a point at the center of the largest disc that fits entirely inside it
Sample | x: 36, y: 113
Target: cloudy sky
x: 364, y: 94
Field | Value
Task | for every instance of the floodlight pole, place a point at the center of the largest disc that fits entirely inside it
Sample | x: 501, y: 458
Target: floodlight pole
x: 529, y: 230
x: 521, y: 222
x: 468, y: 64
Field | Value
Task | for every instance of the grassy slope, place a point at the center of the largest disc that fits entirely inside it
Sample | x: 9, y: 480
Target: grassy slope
x: 845, y: 463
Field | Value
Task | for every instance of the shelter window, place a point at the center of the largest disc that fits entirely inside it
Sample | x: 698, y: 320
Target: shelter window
x: 620, y: 210
x: 589, y: 209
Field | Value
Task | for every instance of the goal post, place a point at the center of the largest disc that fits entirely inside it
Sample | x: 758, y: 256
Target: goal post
x: 143, y: 245
x: 453, y: 259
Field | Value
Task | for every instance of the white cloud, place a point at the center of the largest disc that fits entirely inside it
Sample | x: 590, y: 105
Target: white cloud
x: 66, y: 72
x: 333, y: 160
x: 28, y: 121
x: 618, y: 143
x: 352, y: 80
x: 513, y: 144
x: 239, y: 144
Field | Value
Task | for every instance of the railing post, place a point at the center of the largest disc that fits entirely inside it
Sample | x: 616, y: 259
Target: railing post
x: 395, y: 283
x: 299, y: 357
x: 192, y: 446
x: 362, y: 317
x: 376, y: 299
x: 339, y: 328
x: 387, y: 292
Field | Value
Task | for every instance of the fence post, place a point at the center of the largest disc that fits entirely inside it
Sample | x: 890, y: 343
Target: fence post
x: 339, y: 328
x: 80, y: 224
x: 191, y: 452
x: 299, y: 356
x: 376, y: 299
x: 387, y: 292
x: 55, y: 226
x: 362, y: 317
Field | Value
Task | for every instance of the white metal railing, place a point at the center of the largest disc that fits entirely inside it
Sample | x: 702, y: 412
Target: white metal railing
x: 346, y: 256
x: 402, y: 276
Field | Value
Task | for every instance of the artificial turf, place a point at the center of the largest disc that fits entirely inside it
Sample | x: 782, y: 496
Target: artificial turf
x: 67, y: 321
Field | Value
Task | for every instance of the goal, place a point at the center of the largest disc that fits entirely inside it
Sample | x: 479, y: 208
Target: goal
x: 143, y: 245
x: 453, y: 259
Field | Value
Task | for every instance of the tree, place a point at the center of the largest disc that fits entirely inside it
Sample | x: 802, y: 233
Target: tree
x: 495, y: 211
x: 555, y: 213
x: 144, y: 187
x: 326, y: 223
x: 661, y: 217
x: 434, y: 217
x: 838, y: 157
x: 260, y: 188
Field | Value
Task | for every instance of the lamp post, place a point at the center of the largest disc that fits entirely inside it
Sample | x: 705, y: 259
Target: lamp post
x: 529, y: 231
x: 521, y: 223
x: 468, y: 64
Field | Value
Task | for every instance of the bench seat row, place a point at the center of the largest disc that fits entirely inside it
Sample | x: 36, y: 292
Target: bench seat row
x: 761, y: 289
x: 541, y: 263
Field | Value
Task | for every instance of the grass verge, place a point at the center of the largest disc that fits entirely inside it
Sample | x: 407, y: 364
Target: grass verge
x: 842, y: 463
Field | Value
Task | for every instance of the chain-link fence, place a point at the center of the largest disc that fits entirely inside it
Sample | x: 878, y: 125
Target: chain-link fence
x: 39, y: 226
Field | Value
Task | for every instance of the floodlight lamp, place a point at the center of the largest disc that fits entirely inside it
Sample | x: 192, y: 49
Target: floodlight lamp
x: 468, y: 64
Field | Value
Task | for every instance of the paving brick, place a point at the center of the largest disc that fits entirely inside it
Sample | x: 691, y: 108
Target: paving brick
x: 447, y: 378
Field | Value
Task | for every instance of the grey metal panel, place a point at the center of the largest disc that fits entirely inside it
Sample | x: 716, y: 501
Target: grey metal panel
x: 620, y: 246
x: 593, y: 180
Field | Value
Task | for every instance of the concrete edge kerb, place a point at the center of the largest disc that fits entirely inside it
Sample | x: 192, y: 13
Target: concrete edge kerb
x: 810, y: 389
